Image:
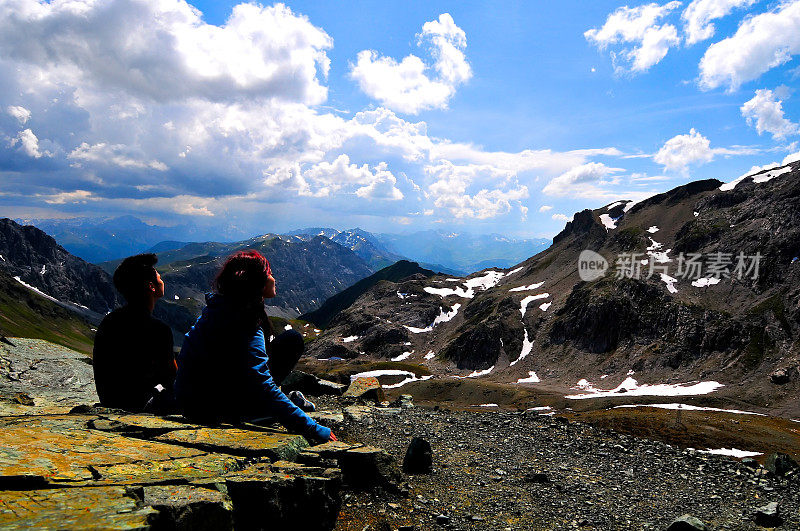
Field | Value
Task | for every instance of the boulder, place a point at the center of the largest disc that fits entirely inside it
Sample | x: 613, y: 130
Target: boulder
x: 768, y: 515
x: 687, y: 522
x: 419, y: 457
x: 367, y: 466
x: 782, y: 376
x: 367, y: 388
x: 780, y: 464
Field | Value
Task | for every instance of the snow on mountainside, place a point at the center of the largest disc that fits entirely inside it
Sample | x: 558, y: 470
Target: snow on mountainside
x: 680, y: 302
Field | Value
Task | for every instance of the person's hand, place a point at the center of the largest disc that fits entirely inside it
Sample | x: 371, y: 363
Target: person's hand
x: 333, y: 437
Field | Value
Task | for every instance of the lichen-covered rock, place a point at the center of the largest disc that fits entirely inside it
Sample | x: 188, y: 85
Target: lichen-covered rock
x: 367, y: 388
x: 687, y: 522
x: 189, y: 508
x: 62, y: 449
x: 77, y: 508
x: 172, y: 470
x: 273, y: 444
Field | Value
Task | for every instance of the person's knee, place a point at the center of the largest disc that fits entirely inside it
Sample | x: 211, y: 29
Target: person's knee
x: 291, y: 340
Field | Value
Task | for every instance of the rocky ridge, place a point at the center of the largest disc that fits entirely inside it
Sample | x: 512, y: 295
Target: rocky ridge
x: 538, y: 324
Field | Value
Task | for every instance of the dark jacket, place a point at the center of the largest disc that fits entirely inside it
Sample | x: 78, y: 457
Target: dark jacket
x: 132, y: 354
x: 223, y: 373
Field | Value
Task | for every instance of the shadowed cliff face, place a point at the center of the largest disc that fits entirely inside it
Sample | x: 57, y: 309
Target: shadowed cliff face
x: 36, y: 258
x: 692, y: 324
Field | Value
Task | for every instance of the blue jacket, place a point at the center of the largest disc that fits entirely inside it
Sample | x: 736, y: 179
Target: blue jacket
x: 223, y: 373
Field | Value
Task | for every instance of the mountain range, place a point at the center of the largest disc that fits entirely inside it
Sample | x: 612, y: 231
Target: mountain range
x: 652, y: 317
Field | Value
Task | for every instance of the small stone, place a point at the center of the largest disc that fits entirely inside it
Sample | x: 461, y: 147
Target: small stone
x: 476, y: 518
x: 419, y: 457
x: 781, y: 376
x: 687, y: 522
x: 443, y: 519
x: 768, y: 515
x: 537, y: 477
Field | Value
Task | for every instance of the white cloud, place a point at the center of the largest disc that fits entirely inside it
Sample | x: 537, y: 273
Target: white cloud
x: 681, y: 151
x: 20, y: 113
x: 585, y: 180
x: 698, y: 15
x: 28, y: 143
x: 637, y: 26
x: 382, y: 186
x: 406, y: 86
x: 545, y: 208
x: 162, y: 50
x: 759, y: 44
x: 116, y: 155
x: 765, y: 112
x: 561, y: 217
x: 452, y: 183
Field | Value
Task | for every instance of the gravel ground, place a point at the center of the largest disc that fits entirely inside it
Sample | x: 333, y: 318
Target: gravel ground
x: 521, y: 470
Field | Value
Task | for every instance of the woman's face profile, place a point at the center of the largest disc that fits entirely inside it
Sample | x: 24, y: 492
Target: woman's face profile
x: 269, y: 287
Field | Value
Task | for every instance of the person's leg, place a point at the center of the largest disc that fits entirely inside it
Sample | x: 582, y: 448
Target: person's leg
x: 284, y: 353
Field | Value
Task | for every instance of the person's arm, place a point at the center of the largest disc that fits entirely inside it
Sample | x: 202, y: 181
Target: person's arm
x: 273, y: 400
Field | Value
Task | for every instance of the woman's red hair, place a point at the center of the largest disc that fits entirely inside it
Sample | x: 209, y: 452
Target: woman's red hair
x: 242, y: 279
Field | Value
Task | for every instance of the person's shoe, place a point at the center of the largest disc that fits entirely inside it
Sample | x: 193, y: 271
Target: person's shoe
x: 300, y: 401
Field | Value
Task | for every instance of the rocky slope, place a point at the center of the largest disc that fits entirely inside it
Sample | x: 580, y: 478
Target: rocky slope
x: 539, y: 324
x: 342, y: 300
x: 37, y: 260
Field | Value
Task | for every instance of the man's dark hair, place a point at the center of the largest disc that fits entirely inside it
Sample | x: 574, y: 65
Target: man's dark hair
x: 133, y: 275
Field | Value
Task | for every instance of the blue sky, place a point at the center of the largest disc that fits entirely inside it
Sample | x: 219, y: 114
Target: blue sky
x: 480, y: 117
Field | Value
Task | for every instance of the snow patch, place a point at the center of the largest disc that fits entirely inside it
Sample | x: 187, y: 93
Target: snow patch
x: 177, y: 298
x: 410, y: 376
x: 532, y: 378
x: 544, y: 306
x: 732, y: 452
x: 517, y: 270
x: 608, y: 222
x: 44, y: 269
x: 476, y: 374
x: 652, y: 229
x: 530, y: 298
x: 761, y: 178
x: 443, y: 317
x: 402, y: 295
x: 670, y: 282
x: 703, y: 282
x: 690, y: 407
x: 430, y: 355
x: 631, y: 387
x: 528, y: 288
x: 539, y: 408
x: 3, y: 258
x: 349, y: 339
x: 696, y: 214
x: 287, y: 327
x: 37, y: 290
x: 527, y: 347
x: 403, y: 356
x: 614, y: 204
x: 487, y: 405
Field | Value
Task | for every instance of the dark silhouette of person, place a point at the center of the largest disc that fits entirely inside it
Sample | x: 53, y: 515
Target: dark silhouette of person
x: 134, y: 365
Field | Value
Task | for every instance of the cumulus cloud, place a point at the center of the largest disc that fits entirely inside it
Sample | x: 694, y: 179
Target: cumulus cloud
x: 561, y: 217
x: 165, y: 52
x: 454, y: 188
x: 680, y: 151
x: 698, y: 15
x: 20, y: 113
x: 644, y: 42
x: 408, y: 86
x: 545, y: 208
x: 765, y: 112
x: 585, y: 180
x: 759, y: 44
x: 28, y: 143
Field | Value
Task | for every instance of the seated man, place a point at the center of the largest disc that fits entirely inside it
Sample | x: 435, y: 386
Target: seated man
x: 134, y: 366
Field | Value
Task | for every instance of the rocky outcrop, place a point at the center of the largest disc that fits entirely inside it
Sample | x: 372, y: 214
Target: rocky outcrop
x: 67, y: 463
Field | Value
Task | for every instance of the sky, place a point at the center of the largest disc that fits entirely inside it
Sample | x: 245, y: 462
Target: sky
x: 482, y: 117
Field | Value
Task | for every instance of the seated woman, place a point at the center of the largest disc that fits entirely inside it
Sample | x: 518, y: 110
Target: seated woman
x: 224, y: 371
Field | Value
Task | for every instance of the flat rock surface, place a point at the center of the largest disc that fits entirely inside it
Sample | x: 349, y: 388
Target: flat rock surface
x: 75, y: 508
x: 272, y: 444
x: 54, y: 377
